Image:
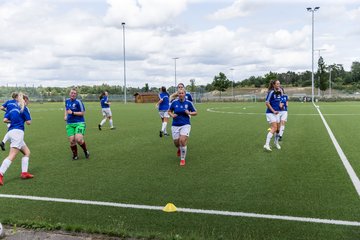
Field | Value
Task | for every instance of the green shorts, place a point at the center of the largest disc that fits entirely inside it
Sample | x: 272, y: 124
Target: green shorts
x: 75, y: 128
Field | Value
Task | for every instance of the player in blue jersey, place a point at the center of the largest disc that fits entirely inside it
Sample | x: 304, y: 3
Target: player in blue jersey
x: 7, y: 106
x: 175, y: 95
x: 17, y: 117
x: 283, y: 113
x: 272, y: 112
x: 163, y: 107
x: 105, y: 109
x: 181, y: 110
x: 75, y: 127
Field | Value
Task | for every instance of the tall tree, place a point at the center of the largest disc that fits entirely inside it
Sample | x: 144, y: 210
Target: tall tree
x: 322, y: 75
x: 192, y: 85
x: 221, y: 82
x: 355, y: 71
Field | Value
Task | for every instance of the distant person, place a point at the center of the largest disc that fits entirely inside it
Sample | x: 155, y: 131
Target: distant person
x: 105, y: 109
x: 283, y: 113
x: 272, y: 112
x: 163, y: 107
x: 75, y: 127
x: 17, y: 117
x: 181, y: 110
x: 175, y: 95
x: 7, y: 106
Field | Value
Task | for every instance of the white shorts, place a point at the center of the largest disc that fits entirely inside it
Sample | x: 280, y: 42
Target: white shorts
x: 178, y: 131
x: 283, y: 116
x: 16, y: 138
x: 106, y: 112
x: 271, y: 117
x: 164, y: 114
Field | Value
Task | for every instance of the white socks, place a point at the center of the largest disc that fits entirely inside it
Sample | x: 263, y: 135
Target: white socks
x: 163, y: 127
x: 111, y: 123
x: 102, y: 122
x: 4, y: 166
x: 268, y: 138
x: 183, y: 152
x: 24, y: 164
x: 282, y: 128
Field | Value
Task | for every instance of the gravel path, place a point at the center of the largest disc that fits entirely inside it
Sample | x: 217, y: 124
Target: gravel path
x: 27, y: 234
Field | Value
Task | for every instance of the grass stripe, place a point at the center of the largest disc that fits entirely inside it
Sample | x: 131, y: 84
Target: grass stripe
x: 354, y: 178
x: 185, y: 210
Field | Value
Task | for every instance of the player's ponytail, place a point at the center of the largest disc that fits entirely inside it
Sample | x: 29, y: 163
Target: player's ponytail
x: 21, y: 101
x: 102, y: 95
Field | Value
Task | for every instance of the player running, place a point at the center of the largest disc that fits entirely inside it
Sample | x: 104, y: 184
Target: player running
x: 17, y: 117
x: 163, y: 107
x: 272, y: 112
x: 181, y: 110
x: 105, y: 109
x: 75, y: 127
x: 175, y: 95
x: 7, y: 106
x: 283, y: 113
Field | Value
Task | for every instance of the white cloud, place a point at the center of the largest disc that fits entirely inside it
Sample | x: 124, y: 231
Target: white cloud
x: 63, y: 42
x: 283, y: 39
x: 239, y: 8
x: 142, y: 13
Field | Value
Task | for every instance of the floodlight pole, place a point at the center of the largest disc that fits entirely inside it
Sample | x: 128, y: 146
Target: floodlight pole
x: 312, y: 50
x: 125, y: 90
x: 232, y: 82
x: 175, y: 58
x: 330, y: 69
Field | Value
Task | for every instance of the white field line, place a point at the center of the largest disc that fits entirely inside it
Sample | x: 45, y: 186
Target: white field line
x: 354, y: 178
x: 186, y: 210
x: 214, y: 110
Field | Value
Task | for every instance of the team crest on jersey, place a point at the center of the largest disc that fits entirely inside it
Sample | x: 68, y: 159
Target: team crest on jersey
x: 186, y: 106
x: 74, y: 105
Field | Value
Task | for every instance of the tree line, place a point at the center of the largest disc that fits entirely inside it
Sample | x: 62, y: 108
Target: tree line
x: 333, y: 74
x: 326, y: 76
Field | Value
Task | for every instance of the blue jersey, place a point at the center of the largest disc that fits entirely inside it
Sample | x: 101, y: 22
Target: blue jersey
x: 76, y: 106
x: 18, y: 118
x: 188, y: 97
x: 104, y: 102
x: 10, y: 104
x: 164, y: 105
x: 283, y: 100
x: 179, y: 107
x: 274, y: 99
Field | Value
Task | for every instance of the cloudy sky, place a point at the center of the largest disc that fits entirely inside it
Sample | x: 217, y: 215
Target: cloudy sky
x: 73, y: 42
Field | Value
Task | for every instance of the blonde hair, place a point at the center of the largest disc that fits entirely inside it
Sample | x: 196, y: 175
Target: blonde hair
x: 21, y: 101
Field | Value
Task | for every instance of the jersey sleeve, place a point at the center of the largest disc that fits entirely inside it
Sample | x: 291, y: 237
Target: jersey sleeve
x: 66, y: 107
x: 27, y: 115
x: 81, y: 106
x: 171, y: 108
x: 269, y: 96
x: 191, y: 107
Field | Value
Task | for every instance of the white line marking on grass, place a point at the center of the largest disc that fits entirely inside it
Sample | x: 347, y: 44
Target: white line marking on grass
x: 186, y: 210
x: 354, y: 178
x: 214, y: 110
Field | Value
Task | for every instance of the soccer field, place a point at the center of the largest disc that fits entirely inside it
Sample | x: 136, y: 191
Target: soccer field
x: 291, y: 193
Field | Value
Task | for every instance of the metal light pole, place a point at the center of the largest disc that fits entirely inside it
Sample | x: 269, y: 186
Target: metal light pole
x: 125, y: 90
x: 175, y: 58
x: 330, y: 81
x: 312, y: 51
x: 232, y: 82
